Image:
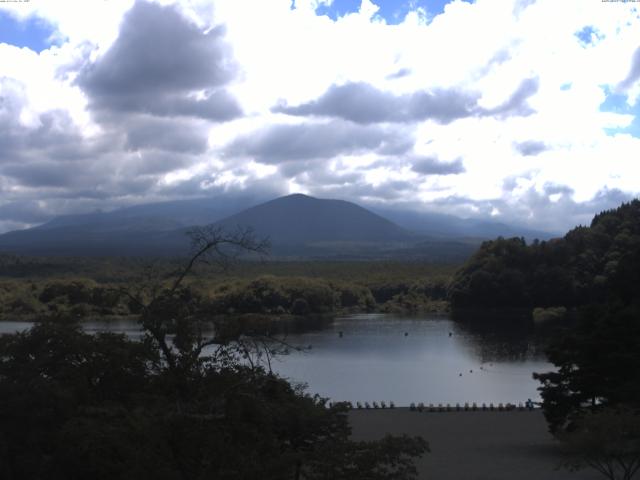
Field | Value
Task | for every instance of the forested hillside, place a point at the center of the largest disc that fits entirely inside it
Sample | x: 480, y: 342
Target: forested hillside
x: 589, y: 264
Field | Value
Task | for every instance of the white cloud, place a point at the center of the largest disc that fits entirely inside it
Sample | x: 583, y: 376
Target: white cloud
x: 488, y: 49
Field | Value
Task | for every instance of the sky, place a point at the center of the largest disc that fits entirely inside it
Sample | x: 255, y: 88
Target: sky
x: 520, y: 111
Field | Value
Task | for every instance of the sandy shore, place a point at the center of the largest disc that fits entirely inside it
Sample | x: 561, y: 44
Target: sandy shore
x: 474, y: 445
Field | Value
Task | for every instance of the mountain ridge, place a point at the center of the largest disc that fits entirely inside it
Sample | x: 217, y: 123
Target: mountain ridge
x: 298, y: 226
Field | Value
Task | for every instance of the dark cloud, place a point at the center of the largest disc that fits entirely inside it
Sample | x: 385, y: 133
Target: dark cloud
x: 312, y: 174
x: 363, y: 191
x: 363, y: 103
x: 157, y: 162
x: 511, y: 183
x: 28, y: 212
x: 43, y: 173
x: 281, y: 143
x: 163, y: 64
x: 530, y: 147
x: 55, y: 137
x: 259, y: 189
x: 634, y: 72
x: 144, y: 132
x: 434, y: 166
x: 218, y: 105
x: 555, y: 188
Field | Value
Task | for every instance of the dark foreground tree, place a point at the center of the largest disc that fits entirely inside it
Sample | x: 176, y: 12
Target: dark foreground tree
x: 176, y: 405
x: 592, y: 400
x: 598, y: 365
x: 607, y: 441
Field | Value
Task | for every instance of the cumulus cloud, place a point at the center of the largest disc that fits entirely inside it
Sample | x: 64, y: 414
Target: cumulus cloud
x: 363, y: 103
x: 285, y: 142
x: 42, y: 173
x: 434, y: 166
x: 553, y: 208
x: 391, y: 190
x: 163, y: 64
x: 145, y: 132
x: 516, y: 104
x: 634, y: 72
x: 144, y: 100
x: 530, y: 147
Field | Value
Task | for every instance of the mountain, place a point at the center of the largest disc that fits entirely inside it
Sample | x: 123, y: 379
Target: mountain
x: 161, y: 216
x: 298, y: 226
x: 295, y: 224
x: 302, y: 220
x: 450, y: 226
x: 156, y: 229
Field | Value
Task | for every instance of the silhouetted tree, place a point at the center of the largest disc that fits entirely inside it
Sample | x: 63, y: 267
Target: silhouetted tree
x: 598, y: 365
x: 180, y: 404
x: 607, y: 441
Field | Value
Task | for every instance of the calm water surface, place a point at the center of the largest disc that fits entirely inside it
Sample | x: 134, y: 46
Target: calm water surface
x: 403, y: 359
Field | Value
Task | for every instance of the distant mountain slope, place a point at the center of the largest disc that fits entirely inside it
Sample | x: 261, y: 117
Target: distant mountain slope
x: 149, y: 229
x: 298, y: 226
x: 161, y: 216
x: 301, y: 220
x: 442, y: 225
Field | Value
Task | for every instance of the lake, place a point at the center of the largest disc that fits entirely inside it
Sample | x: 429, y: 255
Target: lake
x: 385, y: 357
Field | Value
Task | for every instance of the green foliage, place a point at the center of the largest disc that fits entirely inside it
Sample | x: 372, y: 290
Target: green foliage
x: 589, y: 264
x: 598, y: 366
x: 257, y: 288
x: 269, y: 294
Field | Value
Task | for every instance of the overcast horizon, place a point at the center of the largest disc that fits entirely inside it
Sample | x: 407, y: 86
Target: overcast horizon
x: 520, y: 111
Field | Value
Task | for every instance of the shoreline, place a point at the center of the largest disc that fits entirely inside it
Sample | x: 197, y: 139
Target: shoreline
x: 473, y: 445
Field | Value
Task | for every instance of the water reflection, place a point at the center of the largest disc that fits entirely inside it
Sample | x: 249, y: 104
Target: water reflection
x: 502, y: 336
x: 411, y: 359
x: 431, y: 359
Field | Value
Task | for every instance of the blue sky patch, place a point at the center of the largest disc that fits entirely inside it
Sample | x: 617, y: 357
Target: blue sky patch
x: 617, y: 103
x: 392, y: 11
x: 33, y: 33
x: 566, y: 86
x: 633, y: 129
x: 589, y: 35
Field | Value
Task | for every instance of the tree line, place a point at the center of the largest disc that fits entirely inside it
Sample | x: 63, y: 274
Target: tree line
x: 594, y: 264
x: 591, y: 401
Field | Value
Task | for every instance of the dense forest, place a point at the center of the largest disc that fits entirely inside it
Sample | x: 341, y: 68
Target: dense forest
x: 598, y: 263
x: 95, y: 288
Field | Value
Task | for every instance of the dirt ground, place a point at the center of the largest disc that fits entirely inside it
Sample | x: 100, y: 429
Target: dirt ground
x: 511, y: 445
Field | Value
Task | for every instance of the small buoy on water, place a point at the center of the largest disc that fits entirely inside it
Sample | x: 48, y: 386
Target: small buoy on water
x: 459, y: 374
x: 406, y: 334
x: 340, y: 333
x: 450, y: 334
x: 470, y: 371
